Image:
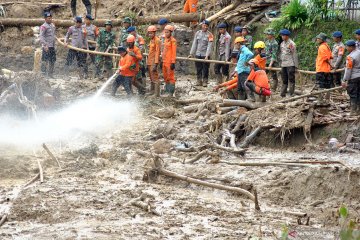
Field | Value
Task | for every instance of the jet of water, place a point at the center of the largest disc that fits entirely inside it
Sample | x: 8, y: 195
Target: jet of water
x: 98, y: 93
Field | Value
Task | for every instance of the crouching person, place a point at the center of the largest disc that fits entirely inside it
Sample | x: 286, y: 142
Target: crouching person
x: 127, y: 71
x: 258, y: 81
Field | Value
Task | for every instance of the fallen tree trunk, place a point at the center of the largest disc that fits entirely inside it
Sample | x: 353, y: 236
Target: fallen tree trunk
x: 309, y: 94
x: 176, y: 18
x: 249, y: 138
x: 161, y: 170
x: 191, y: 108
x: 266, y: 164
x: 224, y: 10
x: 239, y: 103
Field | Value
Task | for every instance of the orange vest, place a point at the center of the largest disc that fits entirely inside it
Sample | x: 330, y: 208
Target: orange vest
x: 260, y: 79
x: 154, y: 51
x: 262, y: 61
x: 169, y: 52
x: 323, y: 58
x: 126, y: 66
x: 137, y: 58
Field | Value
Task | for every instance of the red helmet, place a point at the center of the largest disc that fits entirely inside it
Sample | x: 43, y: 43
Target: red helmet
x: 130, y: 39
x: 152, y: 28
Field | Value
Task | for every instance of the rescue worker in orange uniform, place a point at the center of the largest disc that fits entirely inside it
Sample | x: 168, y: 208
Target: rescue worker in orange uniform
x: 135, y: 52
x: 169, y: 60
x: 126, y: 72
x: 190, y: 6
x: 153, y: 60
x: 323, y: 65
x: 258, y: 81
x: 229, y: 87
x: 259, y: 49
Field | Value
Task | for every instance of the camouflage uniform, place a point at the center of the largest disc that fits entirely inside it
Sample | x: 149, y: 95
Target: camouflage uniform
x: 271, y: 50
x: 104, y: 41
x: 123, y: 36
x: 249, y: 42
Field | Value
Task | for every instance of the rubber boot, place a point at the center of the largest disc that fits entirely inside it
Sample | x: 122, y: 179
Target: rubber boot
x: 219, y: 78
x: 250, y: 96
x: 205, y: 83
x: 327, y: 97
x: 283, y: 90
x: 263, y: 98
x: 73, y: 10
x: 353, y: 108
x: 292, y: 89
x: 51, y: 70
x: 242, y: 95
x: 152, y: 88
x: 88, y: 9
x: 199, y: 82
x: 157, y: 89
x: 274, y: 85
x: 171, y: 88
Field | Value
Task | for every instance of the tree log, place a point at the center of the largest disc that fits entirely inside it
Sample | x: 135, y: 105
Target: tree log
x: 250, y: 138
x: 51, y: 155
x: 309, y: 94
x: 191, y: 108
x: 3, y: 220
x: 266, y: 164
x: 32, y: 180
x: 161, y: 170
x: 176, y: 18
x: 239, y: 123
x: 224, y: 10
x: 240, y: 103
x: 223, y: 110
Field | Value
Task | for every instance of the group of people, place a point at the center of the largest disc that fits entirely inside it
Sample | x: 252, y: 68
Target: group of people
x: 248, y: 78
x: 131, y: 47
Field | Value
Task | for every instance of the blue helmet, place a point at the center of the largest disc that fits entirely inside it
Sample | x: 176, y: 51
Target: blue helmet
x: 47, y: 14
x: 357, y: 32
x: 206, y: 22
x: 222, y: 25
x: 163, y: 21
x: 131, y: 29
x: 350, y: 43
x: 238, y: 29
x: 88, y: 16
x: 78, y: 19
x: 121, y: 49
x: 285, y: 32
x: 337, y: 34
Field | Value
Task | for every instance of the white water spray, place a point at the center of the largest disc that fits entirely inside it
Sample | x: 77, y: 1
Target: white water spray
x: 98, y: 93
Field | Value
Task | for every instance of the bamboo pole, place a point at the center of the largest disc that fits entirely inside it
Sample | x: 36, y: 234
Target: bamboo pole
x: 176, y: 18
x: 51, y: 154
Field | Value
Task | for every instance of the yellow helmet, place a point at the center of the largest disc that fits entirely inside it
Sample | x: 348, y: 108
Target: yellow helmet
x: 259, y: 44
x: 239, y: 39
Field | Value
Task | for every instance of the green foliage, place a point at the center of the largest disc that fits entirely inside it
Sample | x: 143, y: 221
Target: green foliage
x: 350, y: 230
x: 293, y: 16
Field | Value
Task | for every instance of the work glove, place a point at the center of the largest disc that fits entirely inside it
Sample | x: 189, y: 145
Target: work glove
x: 132, y: 54
x: 172, y: 66
x: 154, y: 68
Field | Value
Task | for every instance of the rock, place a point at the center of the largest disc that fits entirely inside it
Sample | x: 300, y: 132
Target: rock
x: 162, y: 146
x: 48, y: 100
x: 165, y: 112
x: 27, y: 50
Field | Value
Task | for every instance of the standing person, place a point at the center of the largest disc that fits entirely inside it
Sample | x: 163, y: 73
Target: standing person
x: 246, y: 34
x: 78, y: 39
x: 135, y: 52
x: 85, y: 2
x: 259, y: 49
x: 242, y: 68
x: 357, y: 36
x: 169, y: 60
x: 271, y: 51
x: 153, y: 60
x: 92, y: 32
x: 223, y: 55
x: 127, y: 67
x: 201, y: 48
x: 124, y: 33
x: 140, y: 43
x: 323, y: 66
x: 47, y: 39
x: 163, y: 22
x: 338, y: 51
x: 289, y: 62
x: 190, y: 6
x: 351, y: 80
x: 104, y: 43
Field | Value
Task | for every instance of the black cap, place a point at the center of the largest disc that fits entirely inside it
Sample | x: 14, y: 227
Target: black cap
x: 88, y: 16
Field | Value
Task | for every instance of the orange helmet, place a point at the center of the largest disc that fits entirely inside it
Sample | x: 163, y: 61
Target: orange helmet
x: 130, y: 39
x: 169, y: 27
x: 152, y: 28
x: 254, y: 61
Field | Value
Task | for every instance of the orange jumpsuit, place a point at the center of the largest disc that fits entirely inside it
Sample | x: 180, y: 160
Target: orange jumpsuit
x: 260, y: 79
x: 262, y: 61
x: 323, y: 58
x: 138, y: 57
x: 154, y: 58
x: 127, y: 66
x: 190, y: 6
x: 168, y: 58
x: 230, y: 84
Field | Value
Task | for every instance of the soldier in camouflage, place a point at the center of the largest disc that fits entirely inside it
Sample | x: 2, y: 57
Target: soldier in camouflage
x: 123, y: 33
x: 271, y: 51
x: 105, y: 42
x: 249, y: 40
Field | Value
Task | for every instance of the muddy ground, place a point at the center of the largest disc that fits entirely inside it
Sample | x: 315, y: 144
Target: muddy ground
x: 88, y: 198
